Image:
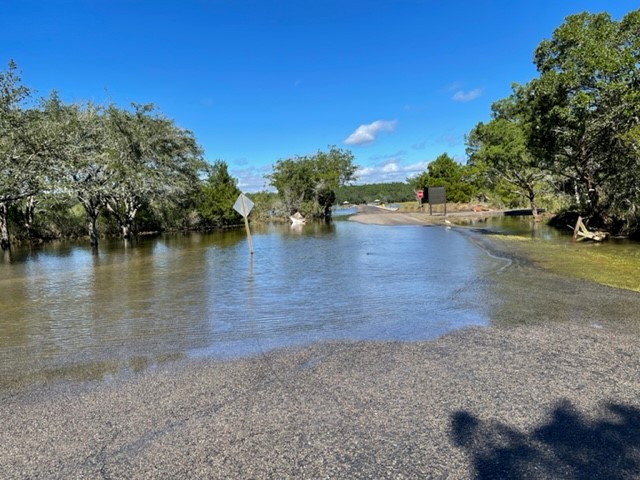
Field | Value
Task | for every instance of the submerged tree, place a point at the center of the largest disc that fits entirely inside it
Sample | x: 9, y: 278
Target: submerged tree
x: 149, y: 157
x: 29, y: 144
x: 87, y: 173
x: 309, y: 183
x: 105, y: 159
x: 218, y: 194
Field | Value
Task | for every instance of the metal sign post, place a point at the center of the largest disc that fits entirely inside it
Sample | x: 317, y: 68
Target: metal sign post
x: 243, y: 206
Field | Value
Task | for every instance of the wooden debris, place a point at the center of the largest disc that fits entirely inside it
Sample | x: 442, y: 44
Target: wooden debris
x: 580, y: 232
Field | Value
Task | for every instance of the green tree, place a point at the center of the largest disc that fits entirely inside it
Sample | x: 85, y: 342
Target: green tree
x: 48, y: 127
x: 149, y: 157
x: 444, y: 171
x: 499, y: 151
x: 28, y: 145
x: 86, y: 170
x: 584, y: 109
x: 309, y: 183
x: 218, y: 194
x: 266, y: 204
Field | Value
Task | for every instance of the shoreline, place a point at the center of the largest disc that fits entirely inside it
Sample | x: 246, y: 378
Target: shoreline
x: 372, y: 215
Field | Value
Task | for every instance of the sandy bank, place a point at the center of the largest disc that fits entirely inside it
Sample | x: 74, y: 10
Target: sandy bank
x: 378, y: 216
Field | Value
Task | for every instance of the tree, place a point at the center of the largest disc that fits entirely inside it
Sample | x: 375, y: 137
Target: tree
x: 86, y: 172
x: 15, y: 163
x: 28, y: 143
x: 148, y: 157
x: 113, y: 159
x: 265, y: 205
x: 499, y: 149
x: 309, y: 183
x: 218, y: 194
x: 48, y: 129
x: 444, y: 171
x: 585, y: 107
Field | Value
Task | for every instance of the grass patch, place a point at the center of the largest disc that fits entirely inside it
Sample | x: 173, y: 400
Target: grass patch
x: 613, y: 263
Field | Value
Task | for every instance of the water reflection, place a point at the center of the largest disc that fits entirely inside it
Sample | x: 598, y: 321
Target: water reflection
x: 518, y: 226
x: 67, y: 313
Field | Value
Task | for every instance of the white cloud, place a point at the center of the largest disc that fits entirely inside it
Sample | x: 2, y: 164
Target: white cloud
x: 367, y: 133
x: 251, y: 179
x: 365, y: 172
x: 416, y: 167
x: 462, y: 96
x: 390, y: 167
x: 391, y: 171
x: 388, y: 156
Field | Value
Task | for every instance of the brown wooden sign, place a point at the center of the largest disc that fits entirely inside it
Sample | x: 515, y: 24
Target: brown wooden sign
x: 437, y: 196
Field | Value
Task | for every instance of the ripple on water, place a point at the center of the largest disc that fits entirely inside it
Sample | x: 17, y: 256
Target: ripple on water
x: 202, y: 294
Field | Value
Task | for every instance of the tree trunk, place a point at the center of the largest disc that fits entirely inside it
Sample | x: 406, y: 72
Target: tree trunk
x: 92, y: 208
x: 124, y: 220
x: 594, y: 203
x: 594, y: 211
x: 532, y: 201
x: 129, y: 217
x: 92, y: 218
x: 29, y: 213
x: 327, y: 211
x: 4, y: 231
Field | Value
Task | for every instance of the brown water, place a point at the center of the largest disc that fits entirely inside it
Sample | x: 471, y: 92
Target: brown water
x: 68, y: 314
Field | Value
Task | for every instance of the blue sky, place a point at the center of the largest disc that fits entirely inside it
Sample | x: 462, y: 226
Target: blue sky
x: 395, y: 82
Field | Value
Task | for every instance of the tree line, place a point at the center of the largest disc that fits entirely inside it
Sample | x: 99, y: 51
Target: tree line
x: 81, y: 169
x: 64, y: 167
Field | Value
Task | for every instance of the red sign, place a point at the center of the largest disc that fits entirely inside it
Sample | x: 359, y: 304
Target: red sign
x: 419, y: 193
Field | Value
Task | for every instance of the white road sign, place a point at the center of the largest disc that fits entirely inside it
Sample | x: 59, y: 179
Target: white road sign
x: 243, y: 205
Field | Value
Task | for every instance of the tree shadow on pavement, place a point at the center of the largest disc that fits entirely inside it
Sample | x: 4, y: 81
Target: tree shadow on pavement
x: 568, y: 446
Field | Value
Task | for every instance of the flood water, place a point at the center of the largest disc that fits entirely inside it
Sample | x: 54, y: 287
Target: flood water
x: 66, y: 313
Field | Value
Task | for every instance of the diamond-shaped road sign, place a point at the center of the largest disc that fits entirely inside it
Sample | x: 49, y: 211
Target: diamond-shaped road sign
x: 243, y: 205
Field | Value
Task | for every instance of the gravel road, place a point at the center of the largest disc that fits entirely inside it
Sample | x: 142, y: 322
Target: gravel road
x: 523, y: 402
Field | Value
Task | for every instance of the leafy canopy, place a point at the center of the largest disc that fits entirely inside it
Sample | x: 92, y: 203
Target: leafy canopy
x: 500, y: 155
x: 309, y: 183
x: 444, y: 171
x: 218, y: 194
x: 585, y: 112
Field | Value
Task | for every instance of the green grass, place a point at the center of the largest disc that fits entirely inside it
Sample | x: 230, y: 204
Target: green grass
x: 612, y: 263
